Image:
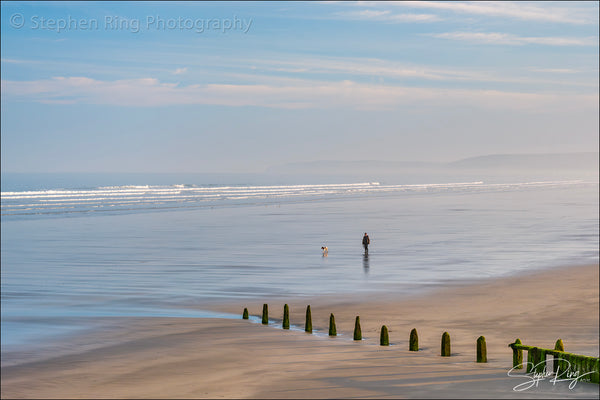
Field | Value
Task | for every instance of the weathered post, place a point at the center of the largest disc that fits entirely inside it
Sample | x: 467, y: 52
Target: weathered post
x: 481, y: 350
x: 530, y: 362
x: 588, y: 367
x: 308, y: 323
x: 413, y: 343
x: 384, y: 338
x: 265, y: 314
x: 559, y: 346
x: 332, y: 330
x: 534, y: 358
x: 596, y: 369
x: 517, y: 356
x: 540, y: 360
x: 357, y: 331
x: 245, y: 314
x: 446, y: 344
x: 566, y: 364
x: 286, y: 317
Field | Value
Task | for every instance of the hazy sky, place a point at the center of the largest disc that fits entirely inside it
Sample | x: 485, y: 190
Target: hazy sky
x: 239, y: 87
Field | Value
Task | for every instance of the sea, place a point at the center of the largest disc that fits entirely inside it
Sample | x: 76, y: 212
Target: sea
x: 76, y: 248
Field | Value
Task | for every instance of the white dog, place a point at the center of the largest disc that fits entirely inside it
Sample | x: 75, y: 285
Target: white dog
x: 325, y: 251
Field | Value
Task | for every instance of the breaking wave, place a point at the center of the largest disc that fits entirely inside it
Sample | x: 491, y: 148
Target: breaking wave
x: 147, y: 197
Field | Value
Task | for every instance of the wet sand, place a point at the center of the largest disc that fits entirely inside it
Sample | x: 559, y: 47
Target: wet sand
x: 235, y: 358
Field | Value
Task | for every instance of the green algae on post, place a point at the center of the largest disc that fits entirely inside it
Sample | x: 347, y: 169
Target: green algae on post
x: 245, y: 314
x: 308, y: 324
x: 530, y: 359
x: 286, y: 317
x: 384, y: 338
x: 559, y: 346
x: 413, y: 344
x: 357, y: 331
x: 481, y: 350
x: 518, y: 356
x: 332, y: 329
x: 446, y: 344
x: 265, y: 315
x: 540, y: 360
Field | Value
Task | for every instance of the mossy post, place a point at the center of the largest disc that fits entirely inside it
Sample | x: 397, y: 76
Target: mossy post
x: 384, y: 338
x: 265, y: 315
x: 530, y: 364
x: 308, y: 324
x: 596, y: 369
x: 245, y: 314
x: 481, y: 350
x: 332, y: 330
x: 357, y: 331
x: 540, y: 360
x: 559, y: 363
x: 565, y: 363
x: 560, y: 347
x: 532, y: 359
x: 413, y: 343
x: 286, y: 317
x: 589, y: 367
x: 446, y: 344
x: 518, y: 356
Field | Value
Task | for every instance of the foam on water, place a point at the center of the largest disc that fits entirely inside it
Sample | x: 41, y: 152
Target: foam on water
x: 133, y: 197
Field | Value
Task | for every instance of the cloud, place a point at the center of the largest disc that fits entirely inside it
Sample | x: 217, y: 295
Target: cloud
x: 387, y: 16
x: 149, y: 92
x: 180, y: 71
x: 566, y: 13
x: 555, y: 70
x: 362, y: 69
x: 12, y: 61
x: 509, y: 39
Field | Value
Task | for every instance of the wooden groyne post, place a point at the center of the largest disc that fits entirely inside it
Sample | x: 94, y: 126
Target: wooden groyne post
x: 413, y: 343
x: 559, y: 346
x: 446, y: 344
x: 384, y: 338
x: 265, y: 315
x: 308, y: 322
x: 481, y: 350
x: 245, y: 315
x: 357, y: 330
x: 517, y: 355
x: 286, y: 317
x: 332, y: 329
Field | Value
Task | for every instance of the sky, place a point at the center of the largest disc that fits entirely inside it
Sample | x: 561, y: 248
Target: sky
x: 203, y: 87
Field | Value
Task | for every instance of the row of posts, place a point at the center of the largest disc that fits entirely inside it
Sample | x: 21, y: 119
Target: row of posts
x: 384, y: 340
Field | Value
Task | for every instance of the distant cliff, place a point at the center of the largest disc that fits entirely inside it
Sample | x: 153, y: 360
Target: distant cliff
x: 562, y: 161
x: 559, y: 161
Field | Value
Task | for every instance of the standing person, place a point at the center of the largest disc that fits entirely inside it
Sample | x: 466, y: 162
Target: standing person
x: 366, y: 242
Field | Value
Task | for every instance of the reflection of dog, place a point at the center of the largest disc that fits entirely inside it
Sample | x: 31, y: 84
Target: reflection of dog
x: 325, y: 251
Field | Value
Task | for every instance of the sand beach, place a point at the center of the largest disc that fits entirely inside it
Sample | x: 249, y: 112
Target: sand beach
x: 236, y: 358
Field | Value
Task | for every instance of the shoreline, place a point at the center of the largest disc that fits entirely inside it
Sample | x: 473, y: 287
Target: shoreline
x: 163, y: 357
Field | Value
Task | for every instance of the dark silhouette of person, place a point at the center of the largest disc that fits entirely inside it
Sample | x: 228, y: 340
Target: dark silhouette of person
x: 365, y: 243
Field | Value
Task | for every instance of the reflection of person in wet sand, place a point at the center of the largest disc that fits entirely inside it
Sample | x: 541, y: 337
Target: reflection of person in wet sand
x: 365, y: 243
x: 366, y: 263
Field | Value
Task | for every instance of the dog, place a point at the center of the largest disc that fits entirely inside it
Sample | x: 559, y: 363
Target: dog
x: 325, y: 251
